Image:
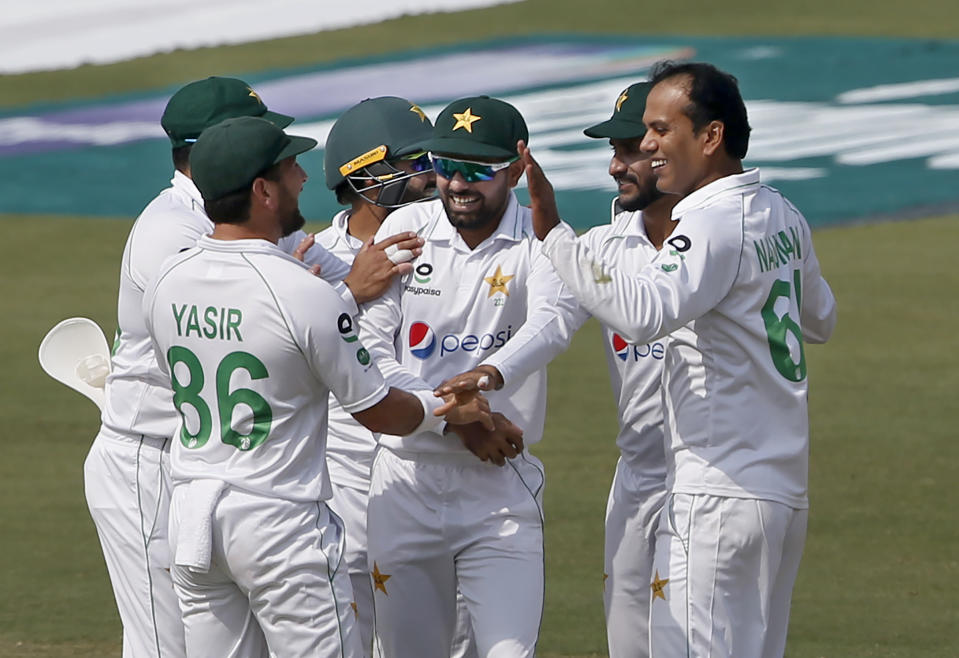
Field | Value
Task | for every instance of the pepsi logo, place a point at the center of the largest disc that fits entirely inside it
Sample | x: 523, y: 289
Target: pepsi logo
x: 422, y: 340
x: 621, y: 347
x: 624, y: 350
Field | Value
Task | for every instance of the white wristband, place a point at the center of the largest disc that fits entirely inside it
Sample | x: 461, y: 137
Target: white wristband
x: 430, y: 403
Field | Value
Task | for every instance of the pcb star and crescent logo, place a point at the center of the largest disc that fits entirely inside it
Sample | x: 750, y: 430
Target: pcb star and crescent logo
x: 255, y: 95
x: 497, y: 282
x: 622, y: 99
x: 466, y: 120
x: 418, y: 111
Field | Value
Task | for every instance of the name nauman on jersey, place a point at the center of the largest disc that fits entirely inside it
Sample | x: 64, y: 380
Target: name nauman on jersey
x: 777, y: 249
x: 217, y: 322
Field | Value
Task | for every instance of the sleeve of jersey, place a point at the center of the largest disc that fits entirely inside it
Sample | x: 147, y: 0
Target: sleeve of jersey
x: 148, y: 302
x: 679, y: 285
x: 817, y: 314
x: 379, y: 320
x: 332, y: 269
x: 552, y: 318
x: 336, y: 355
x: 157, y: 237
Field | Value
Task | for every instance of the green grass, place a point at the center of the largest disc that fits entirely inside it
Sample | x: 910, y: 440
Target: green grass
x: 918, y: 18
x: 880, y: 572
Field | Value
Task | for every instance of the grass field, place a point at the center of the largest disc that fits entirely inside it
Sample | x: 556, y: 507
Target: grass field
x: 880, y: 574
x: 880, y: 570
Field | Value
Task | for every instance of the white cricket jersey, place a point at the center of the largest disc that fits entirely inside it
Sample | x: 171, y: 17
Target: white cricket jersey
x: 138, y: 399
x: 255, y: 344
x: 349, y: 445
x: 635, y: 370
x: 459, y: 306
x: 739, y: 289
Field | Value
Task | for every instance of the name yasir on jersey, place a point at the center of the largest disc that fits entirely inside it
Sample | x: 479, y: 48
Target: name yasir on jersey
x: 423, y: 341
x: 344, y: 325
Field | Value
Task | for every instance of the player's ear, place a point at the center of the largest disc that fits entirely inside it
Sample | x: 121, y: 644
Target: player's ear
x: 261, y: 193
x: 713, y: 134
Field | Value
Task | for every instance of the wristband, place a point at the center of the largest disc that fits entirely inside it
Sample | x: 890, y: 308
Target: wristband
x: 430, y: 403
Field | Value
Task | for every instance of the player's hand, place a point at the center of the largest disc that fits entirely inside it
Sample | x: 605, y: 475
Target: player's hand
x: 504, y: 442
x: 376, y: 264
x: 542, y: 201
x: 481, y: 378
x: 465, y: 408
x: 300, y: 252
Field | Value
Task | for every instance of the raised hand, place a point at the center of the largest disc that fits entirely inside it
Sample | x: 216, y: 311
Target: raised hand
x: 541, y: 196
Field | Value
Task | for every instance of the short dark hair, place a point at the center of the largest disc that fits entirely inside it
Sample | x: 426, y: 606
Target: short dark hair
x: 181, y: 158
x: 714, y: 96
x: 234, y: 208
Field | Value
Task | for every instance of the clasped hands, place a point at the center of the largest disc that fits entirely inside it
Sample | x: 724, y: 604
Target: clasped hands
x: 490, y: 435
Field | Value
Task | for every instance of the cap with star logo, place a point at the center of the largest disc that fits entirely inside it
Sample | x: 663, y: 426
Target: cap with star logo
x: 627, y: 119
x: 205, y: 103
x: 478, y: 127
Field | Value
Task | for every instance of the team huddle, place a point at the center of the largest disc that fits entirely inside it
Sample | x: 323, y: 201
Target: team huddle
x: 318, y: 445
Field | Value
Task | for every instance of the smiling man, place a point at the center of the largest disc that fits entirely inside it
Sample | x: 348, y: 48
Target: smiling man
x: 640, y: 226
x: 258, y: 562
x: 440, y: 519
x: 738, y: 292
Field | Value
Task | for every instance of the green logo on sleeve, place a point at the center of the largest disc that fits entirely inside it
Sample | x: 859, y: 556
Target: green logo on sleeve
x: 363, y: 356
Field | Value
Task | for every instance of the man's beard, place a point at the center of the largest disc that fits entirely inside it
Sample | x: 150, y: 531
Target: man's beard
x: 646, y: 195
x: 478, y: 218
x: 293, y: 222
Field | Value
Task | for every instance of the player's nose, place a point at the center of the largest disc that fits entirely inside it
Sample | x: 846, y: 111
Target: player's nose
x: 649, y: 144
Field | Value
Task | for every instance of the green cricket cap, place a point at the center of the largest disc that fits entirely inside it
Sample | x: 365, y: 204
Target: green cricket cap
x: 627, y: 119
x: 230, y: 155
x: 384, y: 128
x: 478, y: 127
x: 205, y: 103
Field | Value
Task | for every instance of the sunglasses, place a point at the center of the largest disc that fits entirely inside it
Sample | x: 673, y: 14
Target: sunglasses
x: 419, y: 162
x: 472, y: 172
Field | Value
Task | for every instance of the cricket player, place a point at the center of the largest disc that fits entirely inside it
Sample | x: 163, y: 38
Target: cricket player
x: 126, y: 474
x: 253, y: 344
x: 739, y: 291
x: 439, y: 518
x: 375, y: 162
x: 641, y: 224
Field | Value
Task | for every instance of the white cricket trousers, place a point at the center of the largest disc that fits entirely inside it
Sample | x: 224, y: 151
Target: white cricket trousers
x: 277, y: 585
x: 127, y: 484
x: 350, y: 503
x: 438, y: 522
x: 723, y: 574
x: 632, y: 516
